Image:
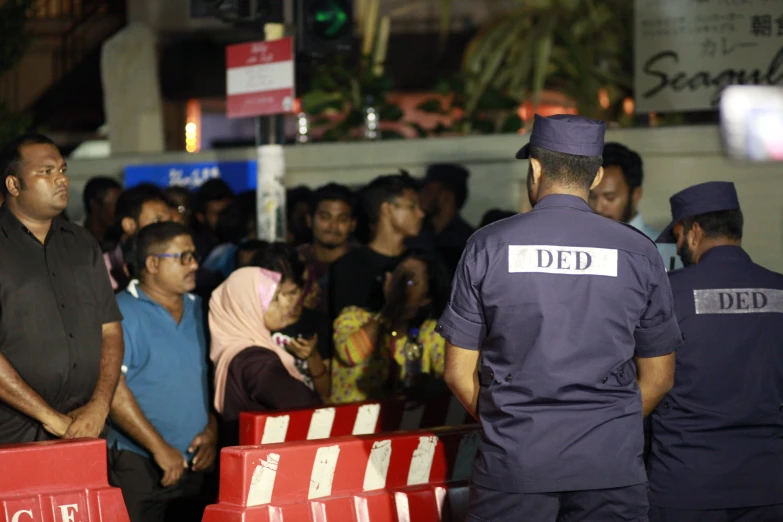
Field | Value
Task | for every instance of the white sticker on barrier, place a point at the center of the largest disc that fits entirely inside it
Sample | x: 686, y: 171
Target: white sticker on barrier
x: 421, y: 462
x: 275, y: 429
x: 377, y: 465
x: 323, y: 472
x: 263, y: 481
x: 440, y: 499
x: 466, y: 455
x: 321, y: 424
x: 366, y: 419
x: 403, y: 508
x: 411, y: 418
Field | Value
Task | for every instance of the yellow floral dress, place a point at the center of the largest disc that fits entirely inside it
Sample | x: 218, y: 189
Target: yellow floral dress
x: 360, y: 372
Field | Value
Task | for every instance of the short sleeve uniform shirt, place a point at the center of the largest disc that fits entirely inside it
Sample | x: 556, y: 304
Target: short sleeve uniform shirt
x: 717, y: 437
x: 559, y: 301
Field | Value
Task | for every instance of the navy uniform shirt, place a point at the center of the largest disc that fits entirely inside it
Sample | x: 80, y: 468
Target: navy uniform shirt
x: 718, y: 435
x: 559, y: 301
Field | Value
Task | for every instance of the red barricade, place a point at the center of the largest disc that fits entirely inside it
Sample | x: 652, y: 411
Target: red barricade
x: 350, y: 419
x: 58, y: 482
x: 390, y: 477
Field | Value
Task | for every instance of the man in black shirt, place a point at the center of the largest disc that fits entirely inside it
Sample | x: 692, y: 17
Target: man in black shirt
x: 60, y: 336
x: 443, y: 193
x: 392, y: 207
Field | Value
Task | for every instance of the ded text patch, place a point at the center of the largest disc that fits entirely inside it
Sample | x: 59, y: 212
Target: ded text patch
x: 566, y: 260
x: 738, y: 301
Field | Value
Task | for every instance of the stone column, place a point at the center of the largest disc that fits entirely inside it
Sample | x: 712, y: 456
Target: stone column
x: 131, y: 91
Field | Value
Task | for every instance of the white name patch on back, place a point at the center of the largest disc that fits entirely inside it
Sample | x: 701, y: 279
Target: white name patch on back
x: 738, y: 301
x: 547, y: 259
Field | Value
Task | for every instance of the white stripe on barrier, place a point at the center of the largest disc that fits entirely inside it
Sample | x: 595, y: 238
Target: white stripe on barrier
x: 275, y: 429
x: 362, y: 509
x: 366, y: 419
x: 411, y: 418
x: 403, y: 509
x: 323, y: 472
x: 440, y: 499
x: 466, y: 455
x: 263, y: 481
x: 321, y: 424
x: 455, y: 416
x: 377, y: 465
x: 421, y: 462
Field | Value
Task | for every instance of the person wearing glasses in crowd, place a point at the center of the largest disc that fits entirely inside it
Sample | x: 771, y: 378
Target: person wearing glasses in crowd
x: 163, y: 436
x: 394, y: 214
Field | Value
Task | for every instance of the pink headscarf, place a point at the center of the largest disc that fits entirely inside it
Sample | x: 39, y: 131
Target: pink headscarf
x: 236, y: 322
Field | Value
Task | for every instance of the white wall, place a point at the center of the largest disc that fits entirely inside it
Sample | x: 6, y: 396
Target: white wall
x: 674, y: 159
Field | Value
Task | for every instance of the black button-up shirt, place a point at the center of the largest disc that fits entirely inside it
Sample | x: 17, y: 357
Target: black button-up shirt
x: 54, y: 299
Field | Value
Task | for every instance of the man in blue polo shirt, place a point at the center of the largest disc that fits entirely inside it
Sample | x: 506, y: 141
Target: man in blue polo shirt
x: 163, y: 437
x: 717, y: 436
x: 573, y: 318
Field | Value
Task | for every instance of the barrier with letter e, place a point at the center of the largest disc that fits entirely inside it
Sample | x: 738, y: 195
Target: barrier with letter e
x: 59, y: 481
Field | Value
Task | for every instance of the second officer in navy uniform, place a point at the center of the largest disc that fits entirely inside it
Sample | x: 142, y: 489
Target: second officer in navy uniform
x: 560, y: 336
x: 717, y: 437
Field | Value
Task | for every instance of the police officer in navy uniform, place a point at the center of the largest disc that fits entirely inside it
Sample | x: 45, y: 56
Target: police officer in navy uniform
x: 717, y: 437
x: 573, y: 318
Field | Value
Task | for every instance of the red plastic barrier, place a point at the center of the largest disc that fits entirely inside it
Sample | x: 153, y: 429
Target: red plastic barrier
x: 58, y: 482
x: 350, y: 419
x: 391, y: 477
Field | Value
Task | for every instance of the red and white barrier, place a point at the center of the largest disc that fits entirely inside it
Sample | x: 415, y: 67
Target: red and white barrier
x: 368, y: 478
x: 58, y: 482
x: 350, y: 419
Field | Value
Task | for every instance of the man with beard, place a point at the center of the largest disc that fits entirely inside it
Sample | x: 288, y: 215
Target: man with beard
x: 717, y: 437
x: 163, y: 437
x: 560, y: 336
x: 332, y: 222
x: 617, y: 196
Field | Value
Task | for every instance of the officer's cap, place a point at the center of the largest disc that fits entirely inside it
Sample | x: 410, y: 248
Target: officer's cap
x: 714, y: 196
x: 566, y: 133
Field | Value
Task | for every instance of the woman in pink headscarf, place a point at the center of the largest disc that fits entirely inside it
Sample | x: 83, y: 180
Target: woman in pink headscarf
x: 252, y: 373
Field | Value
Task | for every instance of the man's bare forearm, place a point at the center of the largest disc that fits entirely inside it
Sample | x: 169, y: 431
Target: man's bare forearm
x: 466, y: 390
x: 655, y: 380
x: 112, y: 352
x: 19, y: 395
x: 652, y: 395
x: 127, y: 414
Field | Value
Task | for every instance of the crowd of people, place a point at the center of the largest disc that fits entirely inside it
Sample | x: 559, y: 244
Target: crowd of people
x: 386, y: 291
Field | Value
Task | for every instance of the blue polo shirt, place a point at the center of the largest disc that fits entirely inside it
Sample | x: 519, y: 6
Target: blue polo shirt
x: 165, y: 367
x: 559, y: 301
x: 717, y: 437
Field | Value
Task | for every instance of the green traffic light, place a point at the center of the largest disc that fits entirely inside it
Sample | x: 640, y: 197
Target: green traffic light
x: 333, y: 16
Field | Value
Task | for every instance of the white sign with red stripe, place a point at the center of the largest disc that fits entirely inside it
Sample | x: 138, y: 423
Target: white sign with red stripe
x: 260, y: 78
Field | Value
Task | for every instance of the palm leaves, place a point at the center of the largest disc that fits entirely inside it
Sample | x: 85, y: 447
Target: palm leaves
x: 574, y: 46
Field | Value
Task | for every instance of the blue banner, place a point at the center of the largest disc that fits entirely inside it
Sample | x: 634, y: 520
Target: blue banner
x: 240, y: 175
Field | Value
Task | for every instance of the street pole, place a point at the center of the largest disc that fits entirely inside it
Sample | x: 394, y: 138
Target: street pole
x: 270, y: 138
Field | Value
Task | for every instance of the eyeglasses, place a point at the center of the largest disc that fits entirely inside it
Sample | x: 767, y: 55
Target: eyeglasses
x: 185, y: 258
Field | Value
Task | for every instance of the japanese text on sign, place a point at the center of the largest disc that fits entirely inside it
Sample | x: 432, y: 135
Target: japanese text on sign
x: 687, y: 51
